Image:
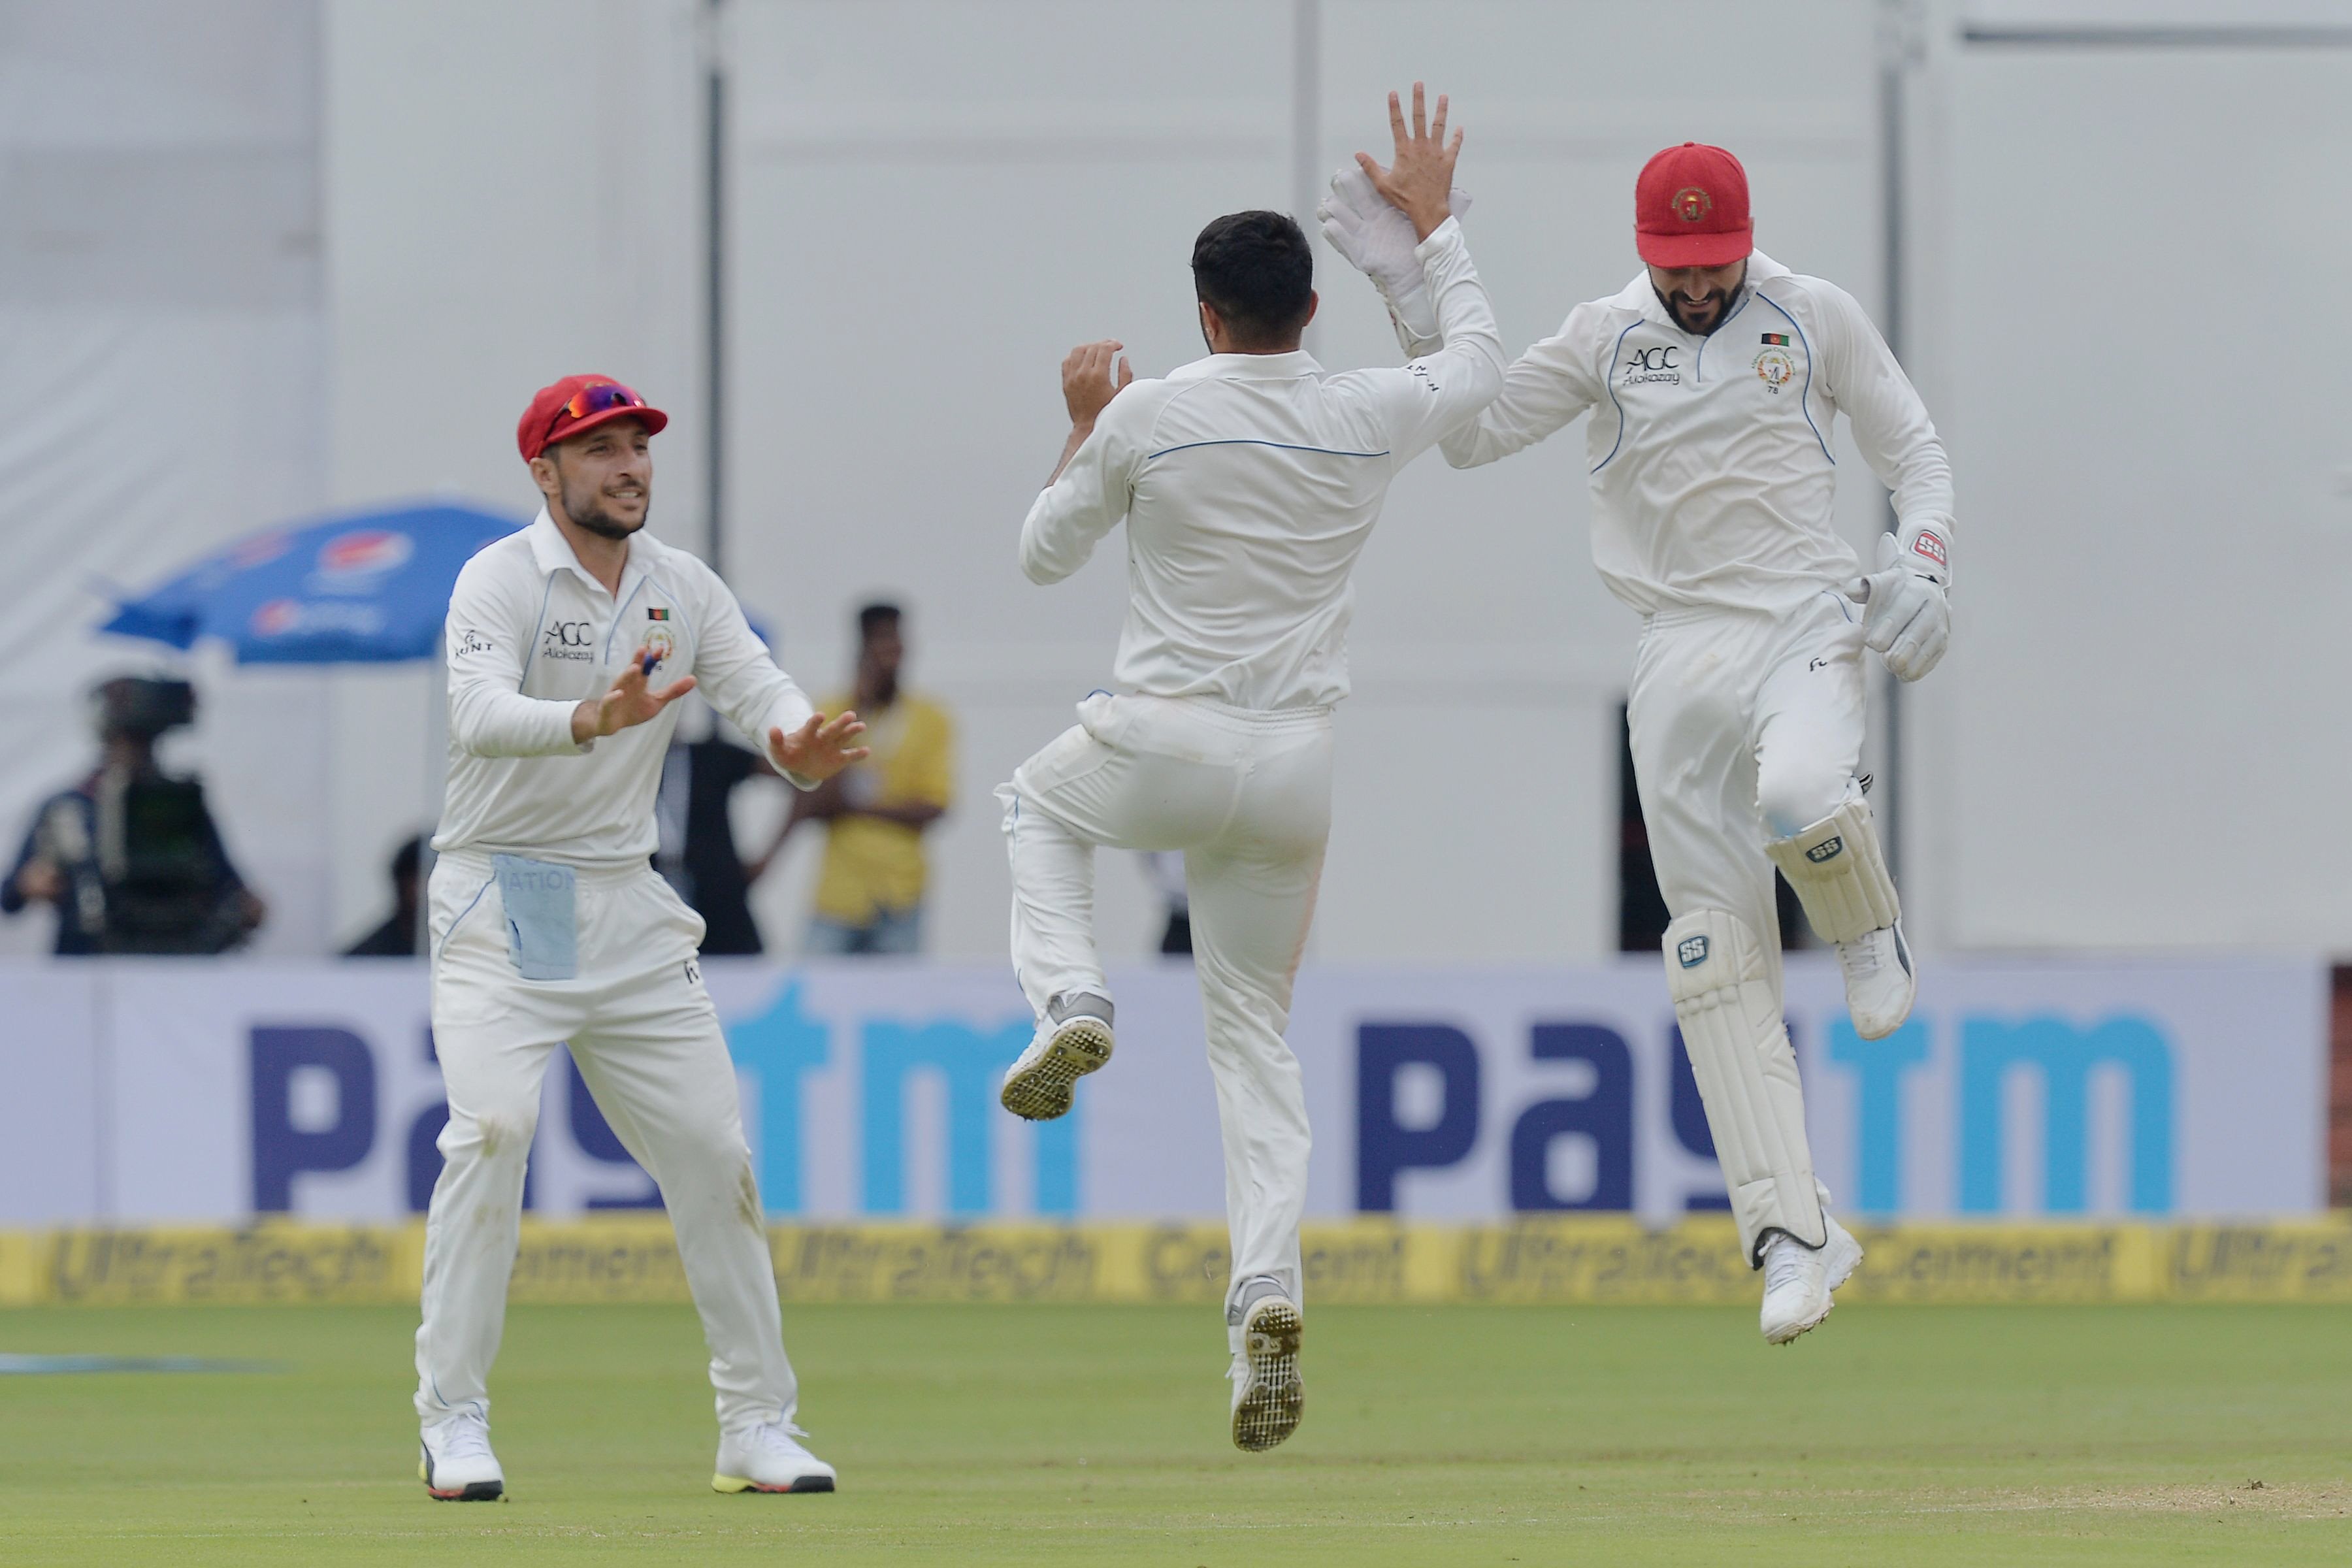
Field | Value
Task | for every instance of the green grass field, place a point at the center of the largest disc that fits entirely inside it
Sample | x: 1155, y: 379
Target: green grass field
x: 1067, y: 1435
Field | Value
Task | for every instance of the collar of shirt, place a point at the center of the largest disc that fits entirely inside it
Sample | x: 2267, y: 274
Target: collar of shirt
x: 1247, y: 367
x: 1640, y: 296
x: 553, y: 553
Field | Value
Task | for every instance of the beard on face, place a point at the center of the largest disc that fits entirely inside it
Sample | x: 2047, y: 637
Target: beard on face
x: 1701, y: 316
x: 1710, y: 310
x: 585, y: 506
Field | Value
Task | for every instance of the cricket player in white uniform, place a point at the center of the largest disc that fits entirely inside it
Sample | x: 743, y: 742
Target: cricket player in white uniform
x: 1714, y: 379
x: 568, y: 643
x: 1249, y: 482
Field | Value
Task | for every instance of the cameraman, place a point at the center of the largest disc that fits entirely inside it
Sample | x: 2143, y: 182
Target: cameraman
x: 131, y: 856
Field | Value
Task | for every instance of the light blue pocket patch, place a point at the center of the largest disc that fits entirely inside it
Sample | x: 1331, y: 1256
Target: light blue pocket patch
x: 542, y: 920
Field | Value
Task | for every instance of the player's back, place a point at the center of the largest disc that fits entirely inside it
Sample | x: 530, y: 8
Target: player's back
x: 1259, y: 479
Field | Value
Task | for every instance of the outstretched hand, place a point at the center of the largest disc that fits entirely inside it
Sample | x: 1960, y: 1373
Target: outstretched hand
x: 818, y: 748
x: 629, y: 701
x: 1421, y: 181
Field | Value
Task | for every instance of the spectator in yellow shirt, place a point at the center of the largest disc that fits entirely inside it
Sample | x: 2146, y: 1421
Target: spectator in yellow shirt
x: 869, y: 891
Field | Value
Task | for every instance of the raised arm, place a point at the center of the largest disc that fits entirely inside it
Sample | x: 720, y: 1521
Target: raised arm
x: 1094, y: 481
x: 1447, y: 385
x: 1544, y: 389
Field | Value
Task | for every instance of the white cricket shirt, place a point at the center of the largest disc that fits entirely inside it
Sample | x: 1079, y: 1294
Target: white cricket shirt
x: 1713, y: 483
x: 1249, y: 484
x: 530, y: 636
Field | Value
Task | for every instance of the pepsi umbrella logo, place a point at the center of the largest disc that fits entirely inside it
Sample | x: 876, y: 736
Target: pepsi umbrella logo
x: 367, y: 588
x: 284, y: 617
x: 277, y: 617
x: 364, y: 553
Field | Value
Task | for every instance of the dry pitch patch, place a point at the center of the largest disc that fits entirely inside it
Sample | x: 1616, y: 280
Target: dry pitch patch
x: 1054, y: 1435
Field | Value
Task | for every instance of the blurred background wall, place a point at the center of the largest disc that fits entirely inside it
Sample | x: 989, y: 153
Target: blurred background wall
x: 263, y: 256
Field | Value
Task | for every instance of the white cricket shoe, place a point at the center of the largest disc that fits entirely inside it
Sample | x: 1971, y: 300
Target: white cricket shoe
x: 1879, y: 981
x: 1798, y: 1279
x: 769, y: 1459
x: 1074, y: 1040
x: 1268, y: 1393
x: 458, y: 1465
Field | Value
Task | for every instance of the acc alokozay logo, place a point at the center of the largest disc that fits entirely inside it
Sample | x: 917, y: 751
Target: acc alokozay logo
x: 1656, y: 363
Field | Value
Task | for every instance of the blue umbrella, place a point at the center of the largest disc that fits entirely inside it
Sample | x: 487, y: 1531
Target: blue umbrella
x: 365, y: 588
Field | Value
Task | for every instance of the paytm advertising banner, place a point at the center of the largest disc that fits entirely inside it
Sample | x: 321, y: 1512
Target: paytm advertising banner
x: 208, y: 1091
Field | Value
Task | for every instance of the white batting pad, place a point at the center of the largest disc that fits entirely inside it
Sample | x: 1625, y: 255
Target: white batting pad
x: 1746, y: 1073
x: 1840, y: 873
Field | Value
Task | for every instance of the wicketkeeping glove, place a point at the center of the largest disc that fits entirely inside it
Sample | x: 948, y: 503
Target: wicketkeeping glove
x: 1378, y: 241
x: 1909, y: 617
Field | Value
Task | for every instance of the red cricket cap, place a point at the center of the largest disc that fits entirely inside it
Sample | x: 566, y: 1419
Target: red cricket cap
x: 577, y: 404
x: 1690, y: 208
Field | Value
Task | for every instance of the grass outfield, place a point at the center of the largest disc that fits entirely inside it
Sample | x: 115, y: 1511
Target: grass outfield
x: 1045, y: 1435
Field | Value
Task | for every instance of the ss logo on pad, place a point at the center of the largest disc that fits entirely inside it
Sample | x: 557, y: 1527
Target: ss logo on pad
x: 1691, y: 951
x: 1827, y: 849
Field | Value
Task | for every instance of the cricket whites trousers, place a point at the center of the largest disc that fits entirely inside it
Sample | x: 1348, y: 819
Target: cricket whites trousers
x: 647, y: 1044
x: 1247, y: 797
x: 1746, y: 729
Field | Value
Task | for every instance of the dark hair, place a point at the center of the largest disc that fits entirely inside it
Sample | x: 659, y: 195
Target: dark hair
x: 872, y: 616
x: 1257, y: 269
x: 408, y: 860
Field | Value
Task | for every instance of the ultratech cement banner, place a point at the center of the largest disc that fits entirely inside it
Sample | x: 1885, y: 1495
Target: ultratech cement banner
x: 208, y: 1092
x: 1533, y: 1261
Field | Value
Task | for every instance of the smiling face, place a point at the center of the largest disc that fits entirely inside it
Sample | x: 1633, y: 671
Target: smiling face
x: 1699, y: 298
x: 601, y: 480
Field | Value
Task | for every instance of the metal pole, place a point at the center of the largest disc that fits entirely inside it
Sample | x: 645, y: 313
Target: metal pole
x: 714, y: 324
x: 1896, y: 46
x: 1306, y: 173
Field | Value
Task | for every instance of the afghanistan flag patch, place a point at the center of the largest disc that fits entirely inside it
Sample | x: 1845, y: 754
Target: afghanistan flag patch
x: 655, y: 614
x: 1778, y: 340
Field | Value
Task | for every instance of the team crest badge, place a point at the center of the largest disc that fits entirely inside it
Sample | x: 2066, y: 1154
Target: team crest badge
x: 1691, y: 204
x: 1774, y: 368
x: 658, y: 642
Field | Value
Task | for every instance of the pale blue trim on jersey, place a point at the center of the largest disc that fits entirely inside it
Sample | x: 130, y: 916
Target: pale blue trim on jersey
x: 1253, y: 441
x: 623, y: 610
x: 1610, y: 383
x: 1805, y: 343
x: 1698, y: 370
x: 538, y: 629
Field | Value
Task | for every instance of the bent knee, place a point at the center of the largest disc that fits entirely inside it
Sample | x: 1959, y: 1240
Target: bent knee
x: 502, y: 1134
x: 1792, y: 798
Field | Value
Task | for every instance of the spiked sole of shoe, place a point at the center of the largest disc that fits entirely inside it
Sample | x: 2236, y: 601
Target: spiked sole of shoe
x: 472, y: 1491
x: 733, y: 1485
x: 1041, y: 1091
x: 1802, y: 1326
x: 1845, y: 1257
x: 1275, y: 1397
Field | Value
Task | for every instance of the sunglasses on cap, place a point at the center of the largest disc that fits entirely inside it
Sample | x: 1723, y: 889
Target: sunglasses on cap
x: 601, y: 398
